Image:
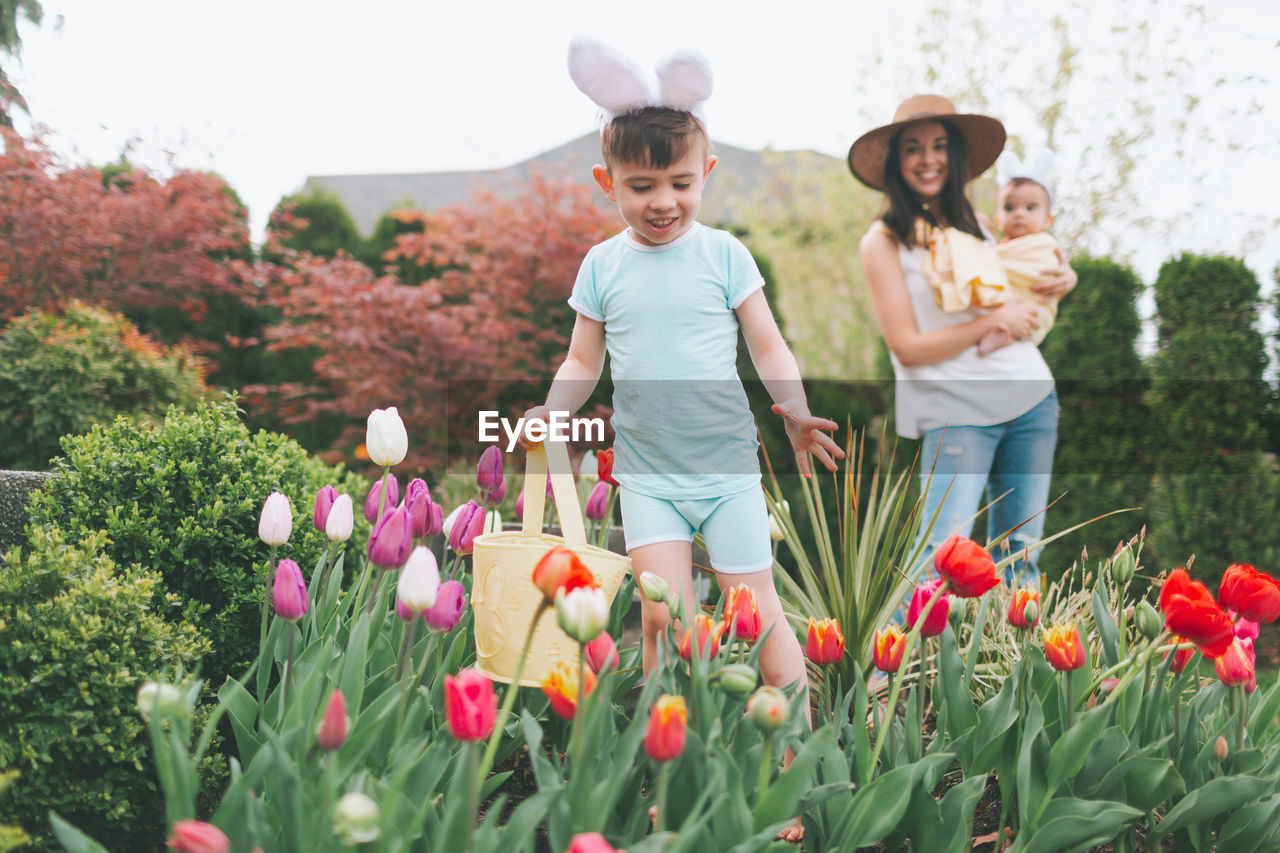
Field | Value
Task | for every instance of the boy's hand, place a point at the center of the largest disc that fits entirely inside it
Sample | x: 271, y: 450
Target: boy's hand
x: 807, y: 435
x: 537, y: 413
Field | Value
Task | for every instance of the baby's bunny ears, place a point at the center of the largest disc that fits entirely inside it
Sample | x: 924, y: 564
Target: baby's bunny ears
x: 1038, y: 167
x: 618, y: 85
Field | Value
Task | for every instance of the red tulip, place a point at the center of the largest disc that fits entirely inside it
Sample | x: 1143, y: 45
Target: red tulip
x: 887, y: 648
x: 824, y: 644
x: 708, y: 637
x: 1063, y: 649
x: 561, y: 568
x: 335, y: 724
x: 196, y: 836
x: 1190, y: 611
x: 391, y: 540
x: 602, y: 652
x: 372, y: 502
x: 470, y: 705
x: 1181, y: 657
x: 668, y: 721
x: 966, y: 565
x: 590, y: 842
x: 1018, y: 608
x: 1252, y: 594
x: 604, y: 466
x: 1235, y: 666
x: 936, y: 620
x: 561, y: 687
x: 741, y: 613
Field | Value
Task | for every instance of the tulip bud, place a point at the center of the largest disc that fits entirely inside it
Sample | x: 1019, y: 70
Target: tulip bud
x: 289, y: 592
x: 386, y: 438
x: 1122, y: 566
x: 604, y: 466
x: 436, y: 522
x: 591, y: 842
x: 597, y: 501
x: 374, y: 499
x: 355, y: 818
x: 341, y: 520
x: 668, y: 721
x: 768, y: 709
x: 419, y: 580
x: 1149, y: 622
x: 276, y: 522
x: 331, y: 732
x: 470, y: 705
x: 467, y: 525
x: 602, y: 653
x: 489, y: 468
x: 492, y: 521
x: 736, y: 679
x: 1220, y: 748
x: 520, y: 505
x: 497, y: 494
x: 451, y: 600
x: 324, y: 502
x: 582, y: 613
x: 391, y: 540
x: 1031, y: 613
x: 654, y: 587
x: 196, y: 836
x: 775, y: 528
x: 403, y: 612
x: 158, y: 699
x: 417, y: 501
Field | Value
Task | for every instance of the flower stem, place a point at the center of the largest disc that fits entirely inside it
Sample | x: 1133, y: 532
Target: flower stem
x: 766, y: 767
x: 663, y: 772
x: 509, y: 698
x: 266, y: 599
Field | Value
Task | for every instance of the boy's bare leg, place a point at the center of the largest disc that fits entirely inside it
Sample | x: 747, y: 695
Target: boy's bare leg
x: 781, y: 659
x: 673, y: 562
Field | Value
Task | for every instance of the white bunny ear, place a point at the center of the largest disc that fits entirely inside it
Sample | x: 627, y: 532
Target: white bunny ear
x: 1041, y: 167
x: 1008, y: 167
x: 611, y: 80
x: 684, y: 81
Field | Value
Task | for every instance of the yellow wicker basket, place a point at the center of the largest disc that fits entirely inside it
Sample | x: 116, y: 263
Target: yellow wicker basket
x: 503, y: 595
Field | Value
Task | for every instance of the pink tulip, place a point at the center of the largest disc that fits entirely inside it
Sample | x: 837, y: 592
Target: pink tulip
x: 936, y: 620
x: 467, y: 525
x: 391, y: 540
x: 497, y: 494
x: 602, y: 652
x: 436, y: 522
x: 196, y: 836
x: 451, y: 601
x: 489, y: 468
x: 590, y: 842
x: 404, y: 612
x: 335, y: 724
x: 371, y: 503
x: 289, y: 592
x: 1236, y: 666
x: 417, y: 500
x: 520, y: 506
x: 597, y: 501
x: 324, y: 502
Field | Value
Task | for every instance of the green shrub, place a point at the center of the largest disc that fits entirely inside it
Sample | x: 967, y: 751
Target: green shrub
x: 183, y: 498
x: 77, y: 636
x: 60, y: 374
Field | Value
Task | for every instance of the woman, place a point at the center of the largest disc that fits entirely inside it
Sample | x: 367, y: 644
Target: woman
x: 986, y: 421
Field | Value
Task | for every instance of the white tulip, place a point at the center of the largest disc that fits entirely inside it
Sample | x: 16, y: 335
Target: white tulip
x: 276, y: 522
x: 386, y: 438
x: 341, y: 519
x: 582, y: 613
x: 419, y: 580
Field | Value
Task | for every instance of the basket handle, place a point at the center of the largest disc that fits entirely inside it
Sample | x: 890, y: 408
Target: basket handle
x: 552, y: 456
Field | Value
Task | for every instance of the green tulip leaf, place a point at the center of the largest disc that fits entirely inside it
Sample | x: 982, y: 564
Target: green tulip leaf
x: 1070, y: 825
x: 1255, y: 827
x: 1151, y: 781
x: 1265, y: 710
x: 1108, y: 633
x: 72, y: 839
x: 1218, y: 796
x: 961, y: 715
x: 994, y: 721
x: 1104, y: 768
x: 1030, y: 766
x: 780, y: 801
x: 1071, y: 751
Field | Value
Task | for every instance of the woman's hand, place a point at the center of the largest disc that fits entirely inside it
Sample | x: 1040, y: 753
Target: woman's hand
x: 1017, y: 317
x: 1057, y: 282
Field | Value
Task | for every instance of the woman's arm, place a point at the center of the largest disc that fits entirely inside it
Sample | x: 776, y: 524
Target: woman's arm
x: 898, y: 319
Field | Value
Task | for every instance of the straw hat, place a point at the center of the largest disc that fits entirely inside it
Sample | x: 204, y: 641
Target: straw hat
x: 983, y: 138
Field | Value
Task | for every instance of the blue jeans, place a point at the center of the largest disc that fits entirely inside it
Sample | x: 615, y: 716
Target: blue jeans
x: 1014, y: 457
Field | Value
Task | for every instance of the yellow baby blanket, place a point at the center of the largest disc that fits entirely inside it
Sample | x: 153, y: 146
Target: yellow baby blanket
x: 1026, y: 258
x: 964, y: 271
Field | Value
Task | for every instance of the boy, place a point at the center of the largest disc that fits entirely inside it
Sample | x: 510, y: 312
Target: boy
x: 665, y: 299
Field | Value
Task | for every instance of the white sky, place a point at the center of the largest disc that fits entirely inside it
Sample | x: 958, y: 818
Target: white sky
x: 270, y: 91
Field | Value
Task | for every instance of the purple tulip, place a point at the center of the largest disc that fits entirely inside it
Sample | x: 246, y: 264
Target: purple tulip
x: 375, y: 496
x: 289, y: 592
x: 489, y: 468
x: 435, y: 522
x: 451, y: 600
x: 468, y: 524
x: 417, y: 500
x: 520, y: 505
x: 498, y: 493
x: 391, y: 540
x: 324, y: 502
x: 404, y: 612
x: 597, y: 501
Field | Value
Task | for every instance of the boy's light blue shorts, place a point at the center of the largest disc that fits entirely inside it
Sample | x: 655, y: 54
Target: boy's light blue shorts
x: 735, y: 527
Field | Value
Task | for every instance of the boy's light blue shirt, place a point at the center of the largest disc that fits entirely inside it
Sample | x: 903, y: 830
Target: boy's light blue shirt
x: 684, y: 429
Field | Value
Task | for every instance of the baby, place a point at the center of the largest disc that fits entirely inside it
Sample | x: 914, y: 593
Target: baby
x: 1024, y: 213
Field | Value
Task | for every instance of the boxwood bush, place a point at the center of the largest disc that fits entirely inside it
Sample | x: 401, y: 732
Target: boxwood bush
x: 62, y: 373
x: 78, y: 634
x: 183, y: 498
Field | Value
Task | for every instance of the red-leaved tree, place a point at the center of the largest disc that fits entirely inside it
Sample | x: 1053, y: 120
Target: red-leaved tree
x: 490, y: 320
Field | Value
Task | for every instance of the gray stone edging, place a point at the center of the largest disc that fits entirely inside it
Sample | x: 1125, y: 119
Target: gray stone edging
x: 15, y: 488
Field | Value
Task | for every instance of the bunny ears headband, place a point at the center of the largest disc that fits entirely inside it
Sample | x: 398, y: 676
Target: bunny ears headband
x: 1038, y: 167
x: 617, y: 85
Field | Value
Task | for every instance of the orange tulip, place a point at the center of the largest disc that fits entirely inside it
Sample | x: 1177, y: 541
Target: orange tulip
x: 741, y: 614
x: 1063, y: 649
x: 1018, y: 608
x: 664, y: 739
x: 825, y: 643
x: 560, y: 568
x: 561, y: 687
x: 887, y: 649
x: 708, y: 637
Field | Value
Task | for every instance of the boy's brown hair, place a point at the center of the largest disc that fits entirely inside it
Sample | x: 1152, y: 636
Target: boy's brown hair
x: 654, y: 136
